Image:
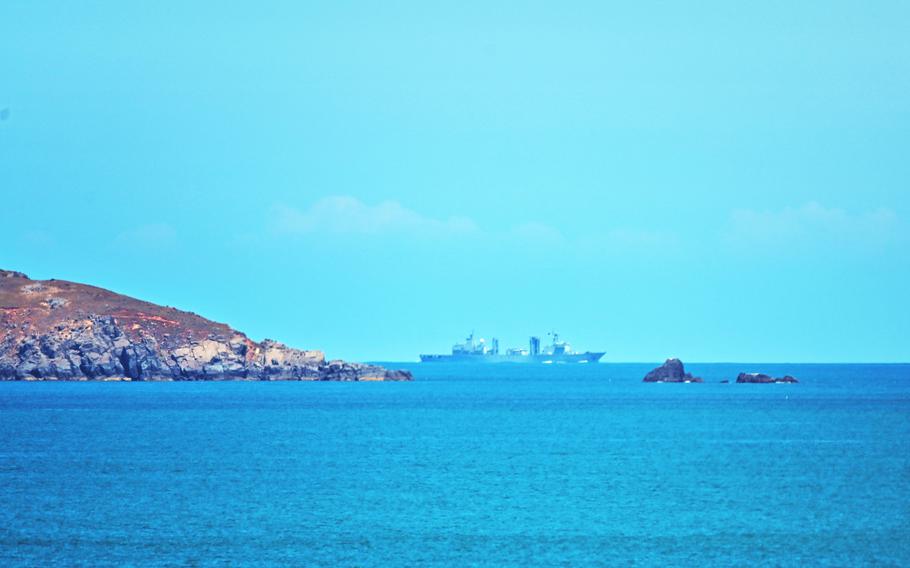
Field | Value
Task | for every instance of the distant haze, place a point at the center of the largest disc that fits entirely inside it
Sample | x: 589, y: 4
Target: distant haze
x: 714, y: 181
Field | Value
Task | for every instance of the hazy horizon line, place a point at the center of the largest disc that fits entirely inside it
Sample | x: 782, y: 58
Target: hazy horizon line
x: 506, y: 363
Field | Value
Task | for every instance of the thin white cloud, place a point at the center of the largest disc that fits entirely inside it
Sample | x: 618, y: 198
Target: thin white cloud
x: 812, y: 224
x: 38, y: 239
x: 640, y: 239
x: 344, y: 215
x: 626, y: 241
x: 537, y: 233
x: 152, y: 235
x: 349, y: 215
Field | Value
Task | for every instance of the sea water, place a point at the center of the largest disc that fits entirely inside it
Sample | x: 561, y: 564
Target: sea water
x: 487, y: 465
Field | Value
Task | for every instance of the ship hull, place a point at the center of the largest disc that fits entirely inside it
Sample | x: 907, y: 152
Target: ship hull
x: 542, y: 359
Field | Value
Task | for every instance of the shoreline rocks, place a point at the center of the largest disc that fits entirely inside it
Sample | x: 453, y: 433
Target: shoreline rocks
x: 59, y: 330
x: 672, y: 371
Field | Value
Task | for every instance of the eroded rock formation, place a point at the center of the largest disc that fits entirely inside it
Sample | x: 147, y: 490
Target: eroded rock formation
x: 762, y: 378
x: 58, y: 330
x: 672, y: 371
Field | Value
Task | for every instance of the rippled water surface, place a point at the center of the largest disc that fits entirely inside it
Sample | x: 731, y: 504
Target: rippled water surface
x: 499, y: 465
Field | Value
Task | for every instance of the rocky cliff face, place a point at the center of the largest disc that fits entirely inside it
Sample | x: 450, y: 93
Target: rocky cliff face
x: 58, y: 330
x: 672, y: 371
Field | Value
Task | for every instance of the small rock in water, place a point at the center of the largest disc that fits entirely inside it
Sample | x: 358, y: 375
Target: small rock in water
x: 672, y: 371
x: 761, y: 378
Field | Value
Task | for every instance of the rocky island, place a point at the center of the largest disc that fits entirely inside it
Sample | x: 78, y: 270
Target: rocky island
x: 672, y: 371
x: 761, y: 378
x: 59, y: 330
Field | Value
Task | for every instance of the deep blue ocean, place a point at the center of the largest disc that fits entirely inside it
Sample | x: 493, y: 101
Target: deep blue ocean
x: 496, y: 465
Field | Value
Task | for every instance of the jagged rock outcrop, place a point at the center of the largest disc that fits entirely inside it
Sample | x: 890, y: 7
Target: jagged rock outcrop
x: 762, y: 378
x: 672, y: 371
x: 59, y: 330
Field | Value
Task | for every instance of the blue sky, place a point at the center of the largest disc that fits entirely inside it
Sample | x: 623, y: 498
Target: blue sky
x: 719, y: 182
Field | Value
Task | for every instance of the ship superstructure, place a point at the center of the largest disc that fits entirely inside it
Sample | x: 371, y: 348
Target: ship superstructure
x: 476, y: 350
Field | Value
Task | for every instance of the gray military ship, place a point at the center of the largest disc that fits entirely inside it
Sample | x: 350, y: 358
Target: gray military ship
x: 477, y: 351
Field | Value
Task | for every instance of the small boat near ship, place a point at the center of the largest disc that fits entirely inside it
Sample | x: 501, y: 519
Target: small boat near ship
x: 478, y: 351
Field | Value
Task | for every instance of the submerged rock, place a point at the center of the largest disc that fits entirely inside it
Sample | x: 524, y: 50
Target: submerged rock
x: 59, y: 330
x: 672, y: 371
x: 762, y: 378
